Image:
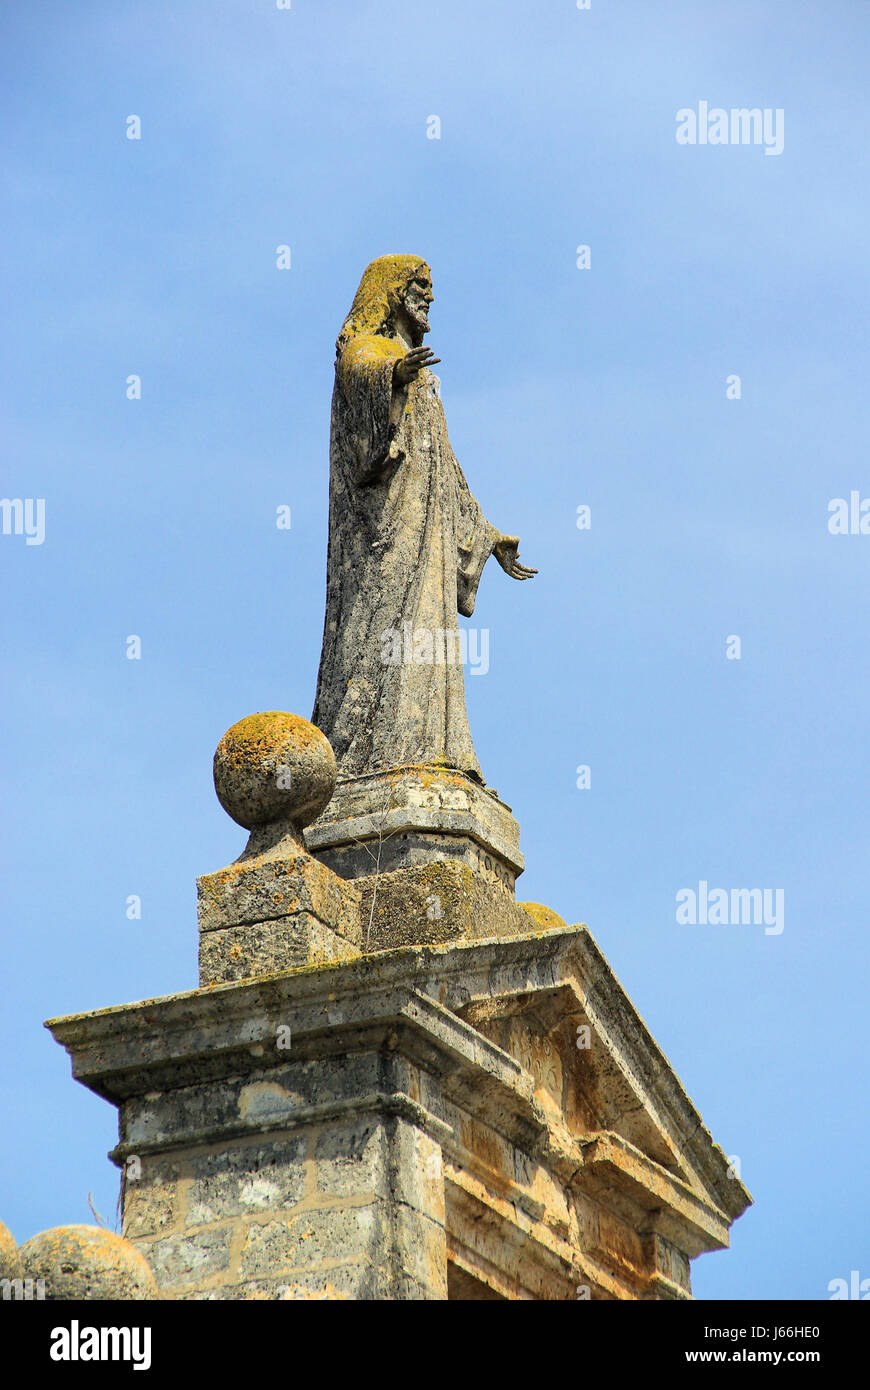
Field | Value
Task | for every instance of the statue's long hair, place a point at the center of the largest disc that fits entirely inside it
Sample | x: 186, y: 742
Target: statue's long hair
x: 377, y: 300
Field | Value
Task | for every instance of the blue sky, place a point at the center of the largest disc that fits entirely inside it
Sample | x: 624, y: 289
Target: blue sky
x: 606, y: 387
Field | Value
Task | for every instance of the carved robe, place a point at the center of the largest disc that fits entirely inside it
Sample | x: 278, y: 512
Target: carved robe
x: 407, y: 545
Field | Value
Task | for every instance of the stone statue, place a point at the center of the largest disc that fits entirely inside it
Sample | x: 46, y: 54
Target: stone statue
x: 407, y: 542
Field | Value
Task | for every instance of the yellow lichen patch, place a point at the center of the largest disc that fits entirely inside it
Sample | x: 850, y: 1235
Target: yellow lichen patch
x: 213, y: 885
x: 544, y: 916
x: 374, y: 305
x: 98, y: 1262
x: 10, y: 1260
x: 369, y: 356
x: 371, y: 348
x: 258, y: 735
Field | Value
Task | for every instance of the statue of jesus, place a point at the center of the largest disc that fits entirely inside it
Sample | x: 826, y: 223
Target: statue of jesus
x: 407, y: 542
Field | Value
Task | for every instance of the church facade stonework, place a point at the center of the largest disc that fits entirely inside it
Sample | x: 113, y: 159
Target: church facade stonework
x: 429, y: 1130
x: 394, y: 1080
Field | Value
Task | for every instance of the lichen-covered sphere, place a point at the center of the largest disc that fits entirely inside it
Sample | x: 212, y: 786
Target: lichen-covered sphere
x: 87, y: 1262
x: 10, y: 1258
x: 274, y: 766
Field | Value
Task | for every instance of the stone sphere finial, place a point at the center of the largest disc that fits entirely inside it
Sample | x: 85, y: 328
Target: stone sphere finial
x: 274, y: 767
x: 87, y: 1262
x: 10, y: 1257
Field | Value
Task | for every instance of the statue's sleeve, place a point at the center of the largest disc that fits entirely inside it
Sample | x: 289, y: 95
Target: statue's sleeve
x: 475, y: 538
x: 364, y: 376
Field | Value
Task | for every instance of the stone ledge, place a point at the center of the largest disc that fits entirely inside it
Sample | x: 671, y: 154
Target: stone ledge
x: 384, y: 1103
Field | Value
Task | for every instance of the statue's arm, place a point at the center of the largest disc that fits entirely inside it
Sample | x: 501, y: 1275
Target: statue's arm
x: 404, y: 372
x: 364, y: 421
x: 374, y: 374
x: 477, y: 540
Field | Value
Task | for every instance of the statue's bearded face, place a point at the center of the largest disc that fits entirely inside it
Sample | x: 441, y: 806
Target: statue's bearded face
x: 417, y: 298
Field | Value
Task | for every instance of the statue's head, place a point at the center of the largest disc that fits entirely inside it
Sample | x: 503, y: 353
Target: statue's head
x: 392, y: 289
x: 416, y: 300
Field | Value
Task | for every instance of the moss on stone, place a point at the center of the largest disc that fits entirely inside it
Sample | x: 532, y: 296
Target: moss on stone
x: 544, y: 916
x: 380, y: 291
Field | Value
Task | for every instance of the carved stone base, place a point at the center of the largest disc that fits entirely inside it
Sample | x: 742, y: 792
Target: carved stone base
x: 410, y: 816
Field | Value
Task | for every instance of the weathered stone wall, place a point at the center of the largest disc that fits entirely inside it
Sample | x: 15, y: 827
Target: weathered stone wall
x: 368, y: 1206
x: 322, y: 1194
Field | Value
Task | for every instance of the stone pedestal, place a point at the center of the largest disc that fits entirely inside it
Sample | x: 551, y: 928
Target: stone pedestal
x: 415, y: 1124
x: 399, y: 1083
x: 410, y: 816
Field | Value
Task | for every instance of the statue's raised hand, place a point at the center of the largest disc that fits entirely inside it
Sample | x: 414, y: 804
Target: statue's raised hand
x: 505, y: 551
x: 413, y: 362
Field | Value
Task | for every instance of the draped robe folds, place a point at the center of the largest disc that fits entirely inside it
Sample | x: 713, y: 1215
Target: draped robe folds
x: 407, y: 546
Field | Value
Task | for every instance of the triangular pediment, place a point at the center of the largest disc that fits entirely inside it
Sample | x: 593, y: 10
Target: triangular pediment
x: 577, y: 1069
x: 601, y: 1078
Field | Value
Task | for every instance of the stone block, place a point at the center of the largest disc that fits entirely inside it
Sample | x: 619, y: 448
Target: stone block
x: 265, y: 914
x: 443, y: 900
x: 189, y: 1258
x: 149, y: 1208
x: 309, y: 1239
x: 245, y: 1180
x: 350, y: 1158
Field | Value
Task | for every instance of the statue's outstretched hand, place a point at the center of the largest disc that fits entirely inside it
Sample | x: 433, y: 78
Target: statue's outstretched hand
x: 505, y: 551
x: 413, y: 362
